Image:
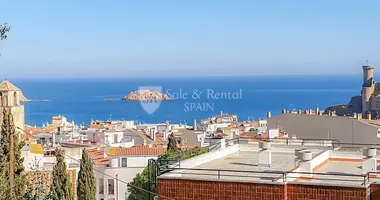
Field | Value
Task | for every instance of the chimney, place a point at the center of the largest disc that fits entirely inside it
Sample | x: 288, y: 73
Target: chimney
x: 269, y: 115
x: 360, y: 116
x: 305, y: 158
x: 369, y: 116
x: 369, y: 162
x: 298, y: 153
x: 53, y: 139
x: 265, y: 155
x: 195, y: 125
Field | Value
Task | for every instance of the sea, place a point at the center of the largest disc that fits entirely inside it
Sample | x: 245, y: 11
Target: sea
x: 249, y: 97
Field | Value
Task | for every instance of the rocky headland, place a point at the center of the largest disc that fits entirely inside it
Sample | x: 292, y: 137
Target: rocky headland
x: 354, y: 106
x: 146, y: 95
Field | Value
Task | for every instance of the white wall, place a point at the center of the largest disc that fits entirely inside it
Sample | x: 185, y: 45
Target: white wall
x: 303, y: 167
x: 207, y: 157
x: 109, y: 137
x: 135, y: 165
x: 31, y: 159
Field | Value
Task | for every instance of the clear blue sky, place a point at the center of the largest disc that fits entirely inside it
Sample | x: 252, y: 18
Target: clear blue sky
x: 123, y: 38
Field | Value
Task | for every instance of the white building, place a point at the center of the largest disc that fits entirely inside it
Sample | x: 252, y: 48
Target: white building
x: 121, y: 163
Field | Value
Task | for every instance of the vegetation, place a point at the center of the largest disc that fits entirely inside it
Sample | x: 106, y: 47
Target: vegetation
x: 172, y: 144
x: 183, y: 155
x: 11, y: 162
x: 86, y: 189
x: 4, y: 29
x: 61, y: 188
x: 142, y: 179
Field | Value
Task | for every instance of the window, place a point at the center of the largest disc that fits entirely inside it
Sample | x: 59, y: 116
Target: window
x: 115, y: 138
x: 111, y: 186
x: 101, y: 186
x: 124, y: 162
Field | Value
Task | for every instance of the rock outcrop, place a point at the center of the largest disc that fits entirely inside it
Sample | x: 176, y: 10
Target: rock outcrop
x: 146, y: 95
x: 354, y: 106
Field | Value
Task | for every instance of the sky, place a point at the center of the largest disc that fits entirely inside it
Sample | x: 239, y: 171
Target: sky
x: 125, y: 38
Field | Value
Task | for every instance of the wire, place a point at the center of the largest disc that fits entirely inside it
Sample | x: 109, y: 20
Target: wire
x: 125, y: 182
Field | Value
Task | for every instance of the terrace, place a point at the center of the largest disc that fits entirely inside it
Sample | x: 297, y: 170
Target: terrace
x: 332, y: 163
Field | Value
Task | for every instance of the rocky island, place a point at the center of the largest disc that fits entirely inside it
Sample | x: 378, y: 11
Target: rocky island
x: 146, y: 95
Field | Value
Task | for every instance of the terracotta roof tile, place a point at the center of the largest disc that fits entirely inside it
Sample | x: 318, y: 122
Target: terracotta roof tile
x: 97, y: 156
x: 138, y: 150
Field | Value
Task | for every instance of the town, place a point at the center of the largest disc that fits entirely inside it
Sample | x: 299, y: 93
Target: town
x: 313, y: 146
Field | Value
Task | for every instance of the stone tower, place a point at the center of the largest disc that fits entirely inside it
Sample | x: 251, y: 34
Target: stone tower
x: 368, y: 88
x: 11, y: 98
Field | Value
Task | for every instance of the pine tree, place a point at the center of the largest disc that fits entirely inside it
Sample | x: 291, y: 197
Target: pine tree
x: 11, y: 161
x: 61, y: 188
x: 86, y: 179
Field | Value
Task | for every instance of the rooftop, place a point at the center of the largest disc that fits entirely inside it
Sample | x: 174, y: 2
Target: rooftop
x: 8, y: 86
x: 239, y: 162
x: 97, y: 154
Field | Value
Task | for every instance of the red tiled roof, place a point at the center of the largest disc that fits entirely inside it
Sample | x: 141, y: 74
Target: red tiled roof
x: 138, y: 151
x: 33, y: 130
x: 97, y: 156
x: 222, y: 134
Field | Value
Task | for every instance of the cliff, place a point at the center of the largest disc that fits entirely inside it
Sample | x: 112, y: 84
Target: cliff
x: 146, y: 95
x: 354, y: 106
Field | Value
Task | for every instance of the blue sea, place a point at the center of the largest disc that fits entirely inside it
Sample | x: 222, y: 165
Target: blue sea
x: 250, y: 97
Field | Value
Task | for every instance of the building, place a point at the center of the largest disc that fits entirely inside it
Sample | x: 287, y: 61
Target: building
x: 11, y: 97
x: 308, y: 126
x: 121, y: 163
x: 291, y: 170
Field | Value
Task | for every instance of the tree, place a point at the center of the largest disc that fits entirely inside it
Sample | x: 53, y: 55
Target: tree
x: 4, y: 29
x: 61, y: 187
x: 11, y: 161
x: 140, y: 181
x: 36, y: 187
x: 86, y: 189
x: 172, y: 144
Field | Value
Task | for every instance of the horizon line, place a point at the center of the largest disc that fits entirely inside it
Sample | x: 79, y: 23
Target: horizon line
x: 176, y: 76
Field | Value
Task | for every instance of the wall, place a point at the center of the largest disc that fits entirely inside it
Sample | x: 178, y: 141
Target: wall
x: 195, y: 190
x: 135, y: 165
x: 375, y: 191
x: 18, y: 117
x: 125, y: 174
x: 316, y: 126
x: 306, y: 192
x: 207, y: 157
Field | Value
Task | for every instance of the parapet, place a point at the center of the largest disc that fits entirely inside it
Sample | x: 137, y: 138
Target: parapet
x: 367, y: 67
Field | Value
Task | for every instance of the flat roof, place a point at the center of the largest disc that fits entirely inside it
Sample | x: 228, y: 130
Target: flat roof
x: 244, y: 166
x: 343, y: 167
